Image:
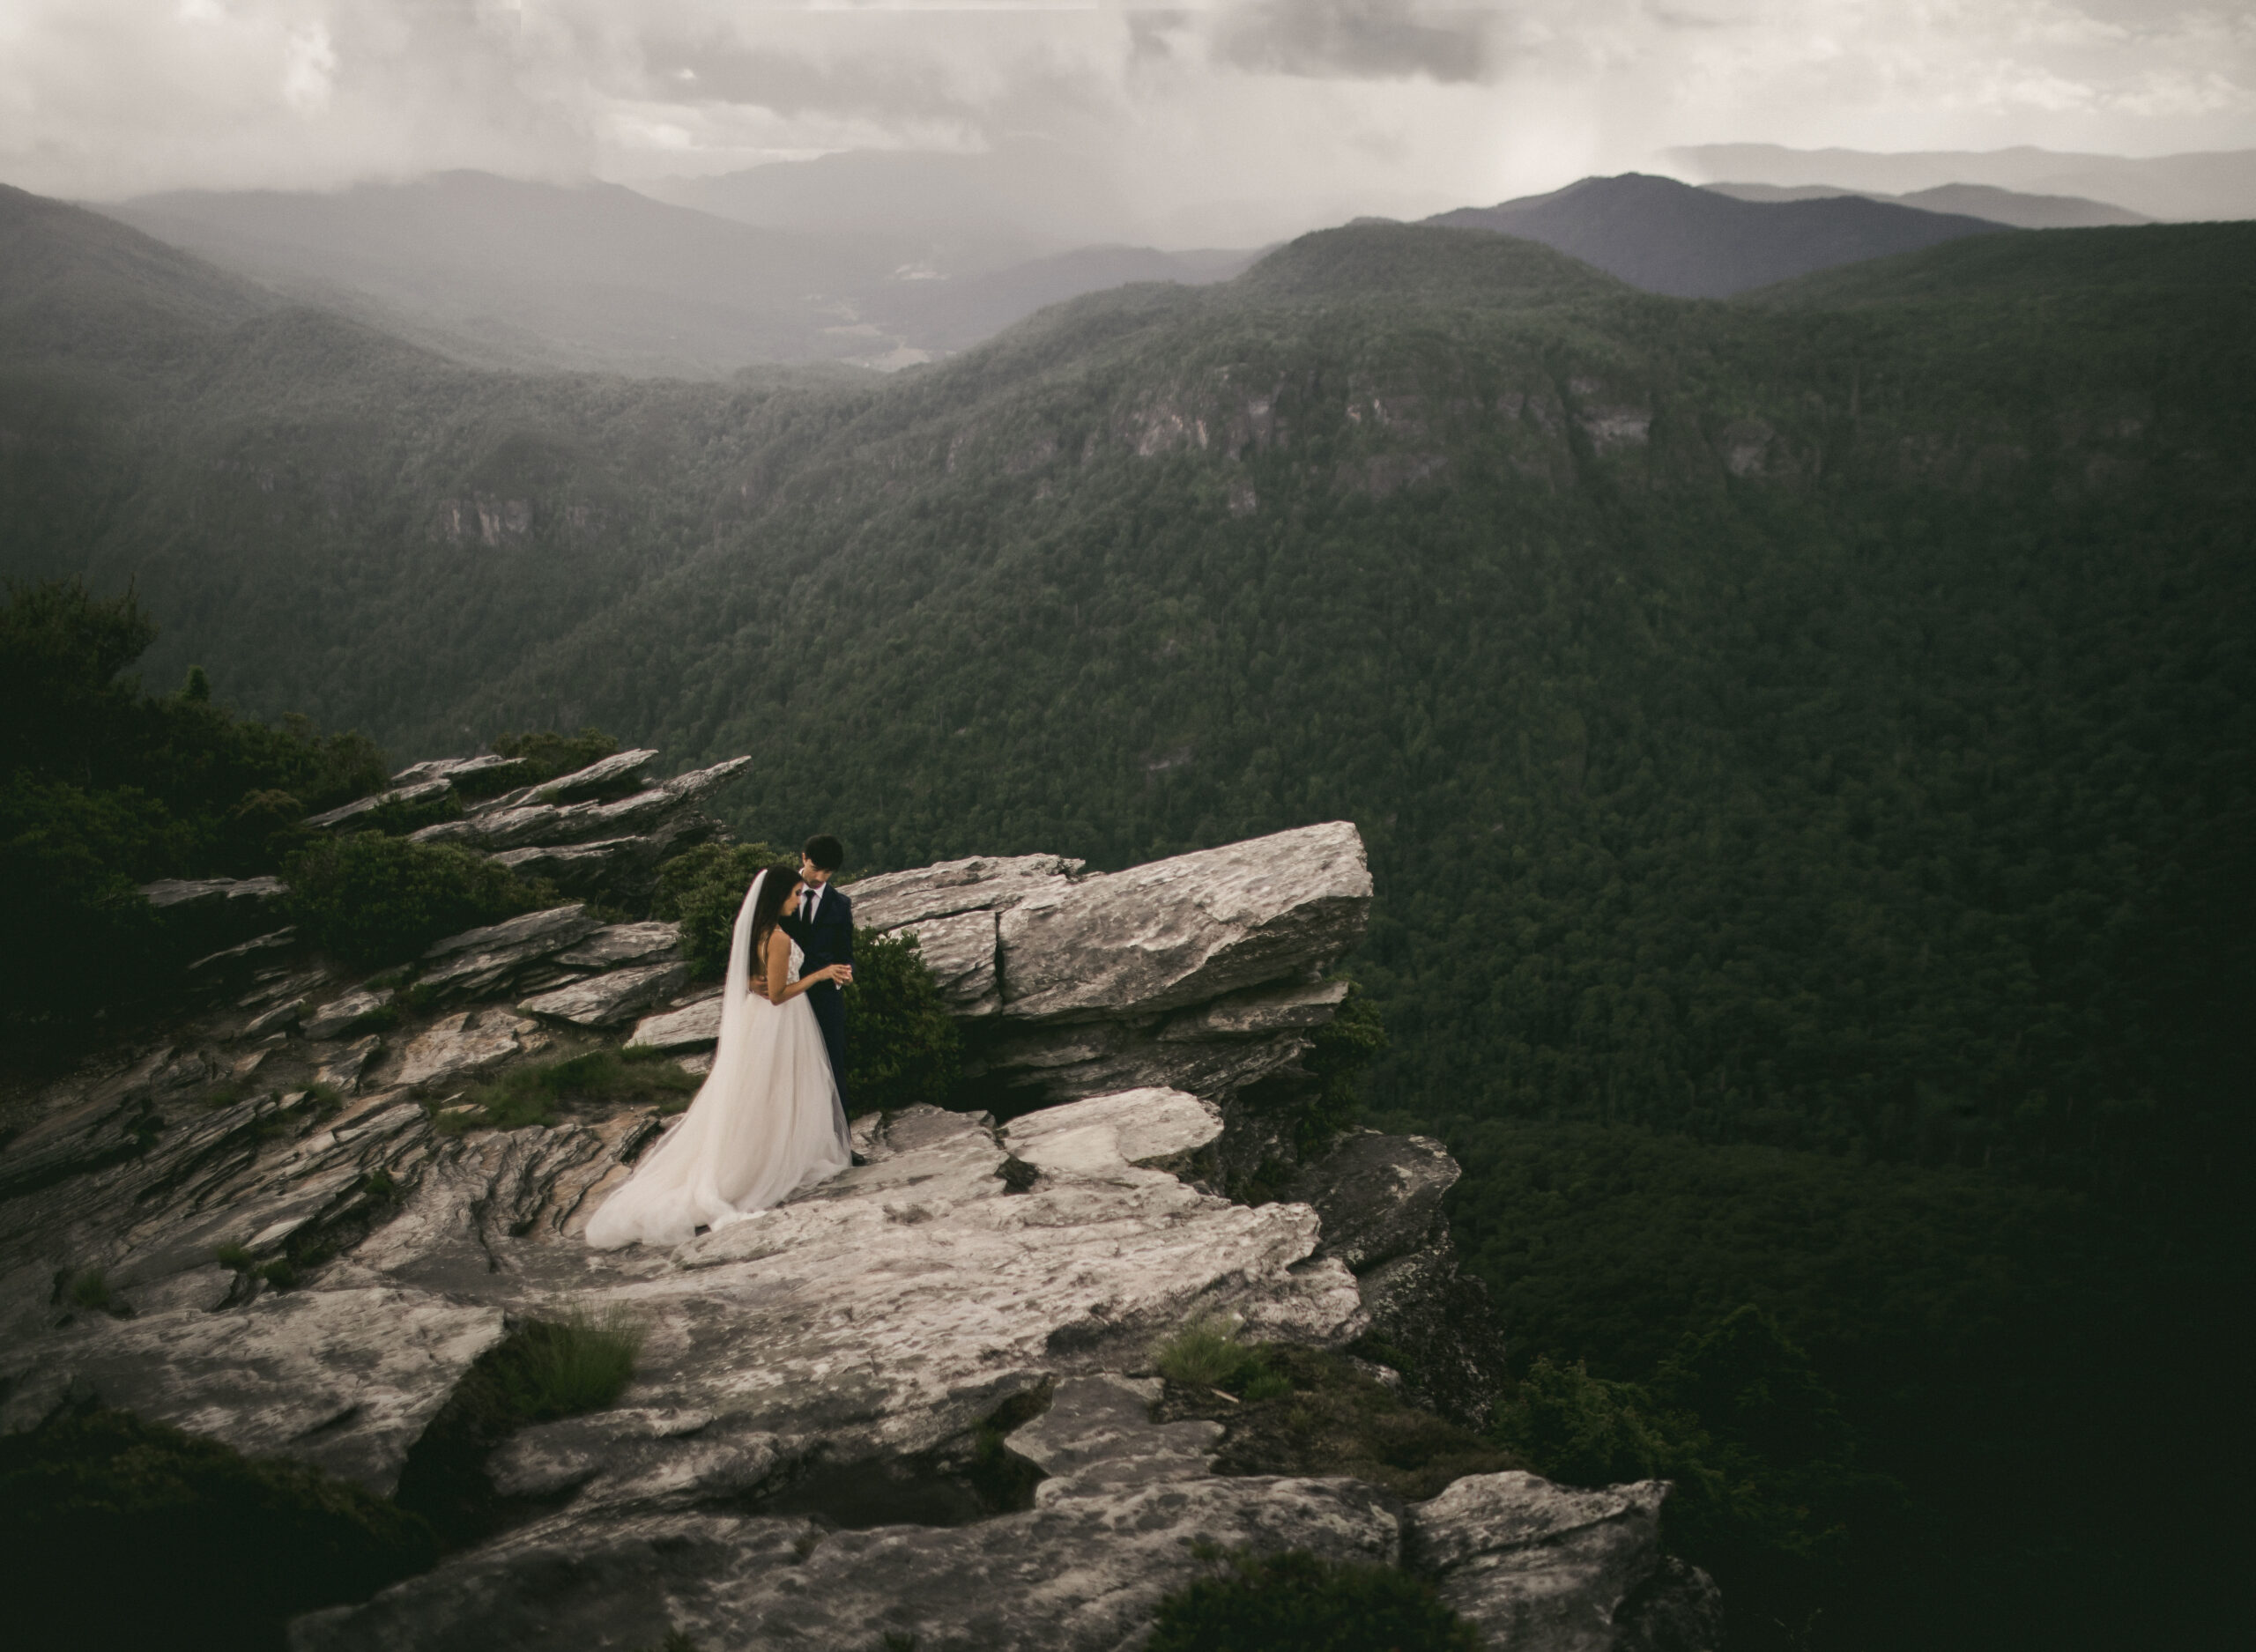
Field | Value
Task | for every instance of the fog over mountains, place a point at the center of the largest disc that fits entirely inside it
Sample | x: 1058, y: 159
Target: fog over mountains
x: 2179, y: 189
x: 889, y: 261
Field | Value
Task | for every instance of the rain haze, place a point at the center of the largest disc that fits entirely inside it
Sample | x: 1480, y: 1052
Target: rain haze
x: 1220, y: 125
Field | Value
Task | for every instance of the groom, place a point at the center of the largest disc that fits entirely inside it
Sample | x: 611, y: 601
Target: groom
x: 824, y: 929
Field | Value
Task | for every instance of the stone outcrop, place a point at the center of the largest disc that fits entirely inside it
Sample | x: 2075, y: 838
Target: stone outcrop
x: 1201, y: 973
x: 808, y: 1451
x: 1380, y: 1199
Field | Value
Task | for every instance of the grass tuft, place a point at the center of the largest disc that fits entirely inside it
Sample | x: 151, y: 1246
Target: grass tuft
x: 609, y: 1078
x: 581, y: 1361
x: 1206, y: 1354
x: 1296, y: 1600
x: 90, y: 1289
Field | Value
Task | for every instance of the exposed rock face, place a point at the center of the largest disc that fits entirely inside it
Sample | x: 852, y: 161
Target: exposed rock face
x: 344, y: 1379
x: 1198, y: 973
x: 1380, y: 1199
x: 793, y: 1461
x: 517, y: 820
x: 1535, y: 1564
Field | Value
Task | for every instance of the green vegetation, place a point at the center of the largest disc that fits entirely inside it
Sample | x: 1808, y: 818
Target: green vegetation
x: 1767, y: 1494
x: 902, y: 1048
x: 116, y: 1532
x: 607, y: 1079
x: 103, y: 788
x: 89, y: 1288
x: 1804, y: 747
x: 376, y: 899
x: 544, y: 754
x: 1294, y: 1601
x: 1296, y: 1411
x: 575, y: 1362
x: 1206, y: 1354
x: 701, y: 890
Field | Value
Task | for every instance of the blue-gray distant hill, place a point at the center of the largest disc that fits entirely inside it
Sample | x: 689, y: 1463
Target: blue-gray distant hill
x: 1668, y: 237
x: 2014, y: 208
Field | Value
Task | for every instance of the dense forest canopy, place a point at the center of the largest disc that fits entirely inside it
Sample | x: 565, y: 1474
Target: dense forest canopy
x: 1805, y: 745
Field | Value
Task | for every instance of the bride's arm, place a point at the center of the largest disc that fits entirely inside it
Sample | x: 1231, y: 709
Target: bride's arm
x: 780, y: 990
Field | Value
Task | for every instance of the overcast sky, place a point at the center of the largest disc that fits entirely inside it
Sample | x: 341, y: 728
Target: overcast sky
x: 1205, y: 119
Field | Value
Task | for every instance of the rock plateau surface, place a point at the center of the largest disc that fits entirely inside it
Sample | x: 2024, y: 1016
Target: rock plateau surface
x: 794, y: 1463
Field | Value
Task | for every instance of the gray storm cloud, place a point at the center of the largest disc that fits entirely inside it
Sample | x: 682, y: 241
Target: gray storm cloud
x: 1357, y: 40
x: 1212, y: 118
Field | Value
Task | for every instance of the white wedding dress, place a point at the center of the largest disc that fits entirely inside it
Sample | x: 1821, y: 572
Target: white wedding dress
x: 766, y: 1122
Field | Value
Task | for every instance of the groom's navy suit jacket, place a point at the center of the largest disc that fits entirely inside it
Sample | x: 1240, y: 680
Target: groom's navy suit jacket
x: 830, y: 939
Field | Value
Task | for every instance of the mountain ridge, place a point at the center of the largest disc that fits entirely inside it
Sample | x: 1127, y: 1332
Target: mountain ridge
x: 1670, y: 238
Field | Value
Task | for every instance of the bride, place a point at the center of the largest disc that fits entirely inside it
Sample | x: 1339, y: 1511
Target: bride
x: 767, y: 1119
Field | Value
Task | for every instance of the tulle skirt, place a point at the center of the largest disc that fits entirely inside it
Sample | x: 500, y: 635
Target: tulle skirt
x: 767, y: 1122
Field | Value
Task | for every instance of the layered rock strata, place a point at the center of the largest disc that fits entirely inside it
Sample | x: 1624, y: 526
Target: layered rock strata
x: 795, y: 1461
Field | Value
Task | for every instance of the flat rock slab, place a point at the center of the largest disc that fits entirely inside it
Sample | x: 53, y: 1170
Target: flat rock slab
x: 694, y: 1026
x: 462, y: 1045
x: 1082, y: 1571
x: 571, y: 921
x: 346, y: 1380
x: 602, y: 1000
x: 1180, y: 931
x: 618, y: 772
x: 340, y: 1015
x: 1379, y: 1196
x: 1128, y: 1129
x: 624, y: 944
x: 983, y: 882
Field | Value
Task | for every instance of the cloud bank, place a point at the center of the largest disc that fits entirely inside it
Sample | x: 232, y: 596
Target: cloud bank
x: 1233, y: 120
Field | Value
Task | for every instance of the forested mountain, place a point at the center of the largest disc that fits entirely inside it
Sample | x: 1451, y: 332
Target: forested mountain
x: 1805, y: 745
x: 1668, y: 237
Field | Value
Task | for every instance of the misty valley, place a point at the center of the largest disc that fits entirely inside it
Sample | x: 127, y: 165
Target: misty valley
x: 1786, y: 654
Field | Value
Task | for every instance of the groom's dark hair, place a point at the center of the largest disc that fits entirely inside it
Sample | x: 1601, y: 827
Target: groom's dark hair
x: 826, y: 851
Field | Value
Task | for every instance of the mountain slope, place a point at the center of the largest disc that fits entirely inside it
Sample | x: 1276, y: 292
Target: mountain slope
x: 1802, y: 742
x: 592, y: 276
x: 2009, y: 207
x: 1667, y: 237
x: 2206, y: 186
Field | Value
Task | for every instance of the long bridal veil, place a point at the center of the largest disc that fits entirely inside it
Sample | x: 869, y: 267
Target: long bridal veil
x: 766, y: 1122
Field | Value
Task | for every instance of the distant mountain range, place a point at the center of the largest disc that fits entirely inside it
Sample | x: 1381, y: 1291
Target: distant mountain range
x: 2218, y: 184
x: 505, y: 273
x: 1669, y: 237
x: 2010, y: 207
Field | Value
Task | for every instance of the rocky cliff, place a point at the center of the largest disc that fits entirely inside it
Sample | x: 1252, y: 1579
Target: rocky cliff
x: 918, y: 1400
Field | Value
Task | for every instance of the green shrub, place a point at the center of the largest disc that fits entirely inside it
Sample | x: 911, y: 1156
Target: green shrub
x: 546, y: 754
x: 1339, y: 1050
x: 118, y: 1532
x: 375, y: 899
x: 1305, y: 1411
x: 1206, y: 1354
x: 235, y: 1257
x: 578, y: 1362
x: 607, y: 1077
x: 1767, y: 1490
x: 902, y: 1048
x: 701, y: 890
x: 90, y: 1290
x: 1294, y: 1601
x: 575, y: 1362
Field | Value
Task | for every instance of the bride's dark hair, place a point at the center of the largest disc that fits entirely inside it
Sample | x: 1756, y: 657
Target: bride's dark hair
x: 781, y: 880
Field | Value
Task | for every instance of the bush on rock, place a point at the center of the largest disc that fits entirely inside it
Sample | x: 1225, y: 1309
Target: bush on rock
x: 1294, y: 1601
x: 118, y: 1532
x: 702, y: 891
x: 376, y: 900
x: 901, y: 1044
